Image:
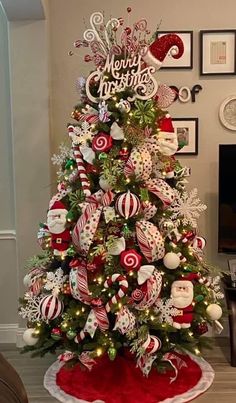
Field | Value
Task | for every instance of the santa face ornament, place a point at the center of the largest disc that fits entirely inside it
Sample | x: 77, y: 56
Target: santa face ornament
x: 56, y: 220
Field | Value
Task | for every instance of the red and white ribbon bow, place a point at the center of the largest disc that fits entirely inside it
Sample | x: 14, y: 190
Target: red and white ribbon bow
x: 179, y: 363
x: 86, y: 359
x: 86, y: 226
x: 97, y: 318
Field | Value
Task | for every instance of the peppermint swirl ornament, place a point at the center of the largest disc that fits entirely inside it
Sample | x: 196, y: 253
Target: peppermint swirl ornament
x: 137, y: 295
x: 102, y: 142
x: 127, y: 204
x: 130, y: 260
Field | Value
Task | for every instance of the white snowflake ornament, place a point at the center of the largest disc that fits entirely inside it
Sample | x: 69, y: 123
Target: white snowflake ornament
x: 166, y: 310
x: 31, y: 310
x: 187, y: 207
x: 55, y: 281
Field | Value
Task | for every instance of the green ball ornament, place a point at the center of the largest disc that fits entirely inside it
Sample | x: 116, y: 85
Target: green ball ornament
x: 102, y: 156
x: 70, y: 334
x: 112, y: 353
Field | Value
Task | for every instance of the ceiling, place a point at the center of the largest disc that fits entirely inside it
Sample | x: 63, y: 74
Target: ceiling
x: 23, y: 9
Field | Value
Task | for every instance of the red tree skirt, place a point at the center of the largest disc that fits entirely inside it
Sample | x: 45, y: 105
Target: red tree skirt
x: 121, y: 382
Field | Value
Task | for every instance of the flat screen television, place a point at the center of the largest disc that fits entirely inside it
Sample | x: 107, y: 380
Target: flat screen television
x: 227, y: 198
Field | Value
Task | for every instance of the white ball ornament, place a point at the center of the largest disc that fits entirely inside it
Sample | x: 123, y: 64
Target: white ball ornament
x: 29, y: 338
x: 214, y: 311
x: 104, y: 184
x: 171, y: 260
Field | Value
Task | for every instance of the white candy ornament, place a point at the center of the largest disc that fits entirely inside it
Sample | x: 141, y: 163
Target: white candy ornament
x: 171, y: 260
x: 127, y: 204
x: 104, y: 184
x: 29, y: 338
x: 214, y: 311
x: 116, y: 132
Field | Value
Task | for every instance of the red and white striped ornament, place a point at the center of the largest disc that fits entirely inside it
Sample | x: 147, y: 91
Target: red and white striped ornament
x: 123, y: 284
x: 127, y: 204
x: 85, y: 184
x: 130, y: 260
x: 50, y: 307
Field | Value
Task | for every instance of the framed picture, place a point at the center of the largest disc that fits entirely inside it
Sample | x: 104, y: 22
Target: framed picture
x: 218, y: 52
x: 186, y: 60
x: 187, y: 133
x: 232, y: 269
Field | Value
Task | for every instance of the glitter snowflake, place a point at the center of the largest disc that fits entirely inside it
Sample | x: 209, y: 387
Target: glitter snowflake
x: 65, y: 153
x: 31, y: 310
x: 82, y: 133
x: 187, y: 207
x: 55, y: 281
x: 214, y: 285
x: 165, y: 310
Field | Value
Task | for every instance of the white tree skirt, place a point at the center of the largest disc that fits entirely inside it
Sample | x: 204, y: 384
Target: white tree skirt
x: 203, y: 384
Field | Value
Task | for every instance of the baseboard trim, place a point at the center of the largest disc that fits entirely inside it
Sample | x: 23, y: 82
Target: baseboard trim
x: 8, y: 332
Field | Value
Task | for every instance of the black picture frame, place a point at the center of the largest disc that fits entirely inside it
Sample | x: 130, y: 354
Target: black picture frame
x: 218, y: 52
x: 186, y: 130
x: 184, y: 62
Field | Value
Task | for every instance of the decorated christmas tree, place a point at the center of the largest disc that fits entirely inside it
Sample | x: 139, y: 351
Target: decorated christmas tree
x: 122, y: 267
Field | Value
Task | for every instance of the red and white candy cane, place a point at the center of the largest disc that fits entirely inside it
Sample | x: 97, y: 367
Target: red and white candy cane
x: 123, y: 283
x: 81, y: 170
x: 80, y: 336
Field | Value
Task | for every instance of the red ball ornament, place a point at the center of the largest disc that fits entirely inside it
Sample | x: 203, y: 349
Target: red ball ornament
x: 127, y: 204
x: 130, y: 260
x: 124, y: 154
x: 50, y: 307
x: 128, y: 30
x: 202, y: 328
x: 102, y: 142
x: 56, y: 333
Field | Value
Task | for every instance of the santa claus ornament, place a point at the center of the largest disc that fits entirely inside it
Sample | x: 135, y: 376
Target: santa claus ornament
x: 60, y: 235
x: 182, y: 298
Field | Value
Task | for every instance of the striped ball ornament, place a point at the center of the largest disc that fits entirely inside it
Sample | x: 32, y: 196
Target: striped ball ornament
x: 50, y: 307
x: 127, y: 204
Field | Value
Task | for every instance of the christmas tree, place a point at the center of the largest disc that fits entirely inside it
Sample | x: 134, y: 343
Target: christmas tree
x: 122, y: 266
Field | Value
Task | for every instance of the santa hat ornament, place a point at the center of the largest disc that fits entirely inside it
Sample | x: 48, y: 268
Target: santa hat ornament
x: 159, y: 49
x: 59, y: 207
x: 167, y: 138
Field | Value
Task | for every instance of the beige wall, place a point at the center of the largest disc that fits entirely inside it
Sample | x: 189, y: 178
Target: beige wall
x: 30, y: 134
x: 65, y: 24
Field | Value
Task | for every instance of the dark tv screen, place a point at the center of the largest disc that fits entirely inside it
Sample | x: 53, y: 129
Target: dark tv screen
x: 227, y: 198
